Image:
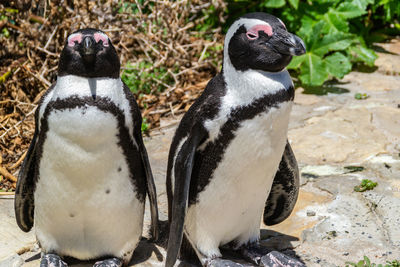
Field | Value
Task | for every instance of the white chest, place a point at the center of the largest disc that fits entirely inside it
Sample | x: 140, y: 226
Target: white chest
x: 241, y: 183
x: 85, y: 202
x: 107, y: 88
x: 253, y: 155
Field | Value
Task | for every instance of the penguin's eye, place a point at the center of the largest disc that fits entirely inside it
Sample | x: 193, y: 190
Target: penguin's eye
x: 74, y: 38
x: 98, y: 36
x: 251, y: 35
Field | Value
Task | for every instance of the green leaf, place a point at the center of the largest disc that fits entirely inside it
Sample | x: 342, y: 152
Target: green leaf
x: 274, y: 3
x: 362, y: 4
x: 360, y: 263
x: 365, y: 185
x: 360, y: 96
x: 338, y: 64
x: 332, y: 42
x: 313, y: 70
x: 145, y: 125
x: 367, y: 261
x: 296, y: 62
x: 306, y: 29
x: 350, y: 10
x: 360, y: 53
x: 294, y: 3
x: 315, y: 36
x: 335, y: 22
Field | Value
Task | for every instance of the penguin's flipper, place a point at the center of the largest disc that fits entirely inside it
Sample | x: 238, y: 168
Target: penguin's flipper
x: 151, y: 188
x: 24, y: 203
x: 183, y: 172
x: 284, y: 190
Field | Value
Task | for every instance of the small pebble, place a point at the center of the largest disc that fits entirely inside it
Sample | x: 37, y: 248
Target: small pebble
x: 346, y: 253
x: 310, y: 213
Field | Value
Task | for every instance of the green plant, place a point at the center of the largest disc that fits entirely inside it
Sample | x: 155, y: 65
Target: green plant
x: 365, y: 185
x: 337, y: 33
x: 360, y: 96
x: 143, y: 77
x: 145, y: 125
x: 366, y: 262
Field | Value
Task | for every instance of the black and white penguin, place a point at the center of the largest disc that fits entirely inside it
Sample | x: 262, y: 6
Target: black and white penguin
x: 84, y: 180
x: 223, y: 162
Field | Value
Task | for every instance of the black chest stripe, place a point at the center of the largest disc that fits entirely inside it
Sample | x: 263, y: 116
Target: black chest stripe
x: 207, y: 160
x: 125, y: 142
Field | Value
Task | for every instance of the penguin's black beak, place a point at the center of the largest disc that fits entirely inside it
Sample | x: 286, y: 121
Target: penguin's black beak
x: 288, y: 43
x: 88, y: 51
x: 298, y: 47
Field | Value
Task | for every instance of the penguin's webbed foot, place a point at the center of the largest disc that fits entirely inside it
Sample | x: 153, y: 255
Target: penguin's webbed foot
x: 52, y: 260
x: 265, y: 257
x: 275, y: 258
x: 219, y: 262
x: 112, y: 262
x: 253, y: 253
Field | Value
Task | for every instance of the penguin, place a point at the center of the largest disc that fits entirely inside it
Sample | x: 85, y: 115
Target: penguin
x: 230, y: 162
x: 84, y: 180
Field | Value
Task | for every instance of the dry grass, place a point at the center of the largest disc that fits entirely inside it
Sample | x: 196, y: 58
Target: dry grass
x: 162, y: 34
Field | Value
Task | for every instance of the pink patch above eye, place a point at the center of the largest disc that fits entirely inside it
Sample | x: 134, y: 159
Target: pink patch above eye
x: 101, y: 37
x: 77, y: 37
x: 252, y: 34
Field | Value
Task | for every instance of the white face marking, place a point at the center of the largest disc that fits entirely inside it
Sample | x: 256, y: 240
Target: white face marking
x: 292, y: 39
x: 282, y: 22
x: 242, y: 182
x: 99, y: 36
x: 74, y: 38
x: 85, y: 203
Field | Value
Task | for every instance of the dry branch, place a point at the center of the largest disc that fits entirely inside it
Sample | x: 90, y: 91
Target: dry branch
x: 7, y: 175
x: 161, y: 34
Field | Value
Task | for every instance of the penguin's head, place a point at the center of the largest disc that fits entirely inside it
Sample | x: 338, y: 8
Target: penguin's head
x: 260, y: 41
x: 89, y: 53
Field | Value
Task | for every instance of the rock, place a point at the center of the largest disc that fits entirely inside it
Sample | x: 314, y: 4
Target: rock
x: 333, y: 137
x: 304, y: 99
x: 373, y: 82
x: 13, y: 261
x: 12, y: 238
x: 311, y: 213
x: 387, y: 210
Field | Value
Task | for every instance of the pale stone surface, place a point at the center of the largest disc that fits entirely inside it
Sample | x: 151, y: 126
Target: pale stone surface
x: 12, y: 239
x: 388, y: 61
x: 331, y: 223
x: 338, y: 136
